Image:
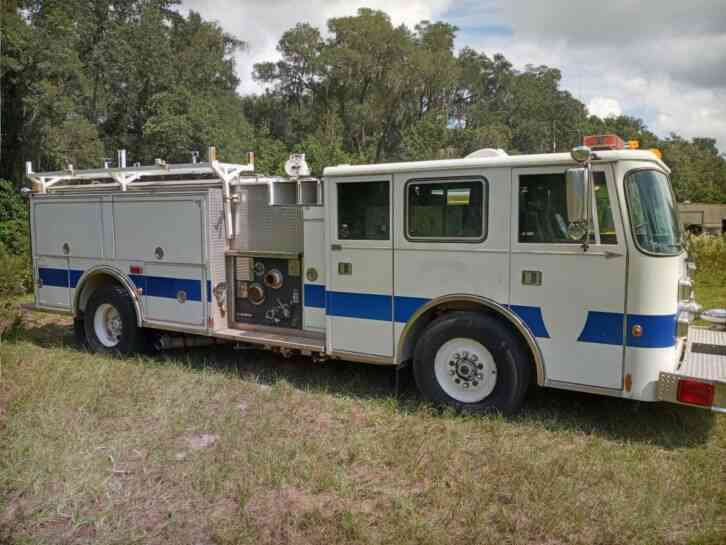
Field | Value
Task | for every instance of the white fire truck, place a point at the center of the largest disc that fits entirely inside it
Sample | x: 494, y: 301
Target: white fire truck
x: 488, y: 273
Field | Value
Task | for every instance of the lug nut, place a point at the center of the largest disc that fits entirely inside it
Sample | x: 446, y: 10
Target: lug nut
x: 466, y: 385
x: 480, y: 366
x: 473, y: 358
x: 452, y: 372
x: 474, y: 383
x: 457, y: 381
x: 452, y: 363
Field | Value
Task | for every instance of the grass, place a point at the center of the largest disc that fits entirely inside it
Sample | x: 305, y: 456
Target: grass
x: 217, y: 446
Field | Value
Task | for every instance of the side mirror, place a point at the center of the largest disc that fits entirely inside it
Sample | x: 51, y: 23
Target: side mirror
x: 578, y: 207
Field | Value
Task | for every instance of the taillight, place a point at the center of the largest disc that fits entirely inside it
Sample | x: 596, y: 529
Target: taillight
x: 695, y: 392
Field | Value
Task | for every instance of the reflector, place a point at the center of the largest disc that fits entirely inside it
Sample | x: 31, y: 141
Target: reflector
x: 695, y: 392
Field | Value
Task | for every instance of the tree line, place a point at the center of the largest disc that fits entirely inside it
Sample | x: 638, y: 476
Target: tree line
x: 83, y: 78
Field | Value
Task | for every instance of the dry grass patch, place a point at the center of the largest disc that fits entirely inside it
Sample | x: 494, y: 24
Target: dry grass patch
x: 225, y: 447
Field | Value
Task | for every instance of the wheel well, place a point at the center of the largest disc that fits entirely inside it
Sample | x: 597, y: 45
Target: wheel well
x: 92, y: 283
x: 414, y: 329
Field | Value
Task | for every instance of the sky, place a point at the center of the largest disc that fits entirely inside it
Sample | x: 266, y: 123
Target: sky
x: 661, y: 60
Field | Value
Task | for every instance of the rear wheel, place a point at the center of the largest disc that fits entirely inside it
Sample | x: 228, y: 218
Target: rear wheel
x: 473, y: 362
x: 110, y: 322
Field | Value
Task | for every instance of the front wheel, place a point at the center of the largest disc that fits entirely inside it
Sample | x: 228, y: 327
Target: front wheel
x: 472, y: 362
x: 110, y: 322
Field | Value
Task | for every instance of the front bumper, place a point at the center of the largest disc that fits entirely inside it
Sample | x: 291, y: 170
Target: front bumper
x: 703, y: 361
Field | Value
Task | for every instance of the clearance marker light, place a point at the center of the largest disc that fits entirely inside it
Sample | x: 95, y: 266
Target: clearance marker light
x: 695, y: 392
x: 633, y: 144
x: 656, y: 152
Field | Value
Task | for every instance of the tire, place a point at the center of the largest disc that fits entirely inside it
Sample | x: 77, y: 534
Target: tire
x: 110, y: 322
x: 79, y: 332
x: 476, y: 350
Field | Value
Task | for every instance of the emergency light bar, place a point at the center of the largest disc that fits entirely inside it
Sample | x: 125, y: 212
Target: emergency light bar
x: 603, y: 142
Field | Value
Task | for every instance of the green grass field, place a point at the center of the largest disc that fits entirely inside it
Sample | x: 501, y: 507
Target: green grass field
x: 217, y: 446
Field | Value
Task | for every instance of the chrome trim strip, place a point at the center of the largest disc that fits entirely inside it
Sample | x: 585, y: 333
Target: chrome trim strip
x: 487, y: 303
x: 362, y: 358
x: 613, y: 392
x: 48, y: 310
x: 118, y: 275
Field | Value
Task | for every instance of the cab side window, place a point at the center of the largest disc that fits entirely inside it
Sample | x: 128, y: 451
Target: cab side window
x: 363, y: 211
x: 442, y: 210
x: 543, y: 209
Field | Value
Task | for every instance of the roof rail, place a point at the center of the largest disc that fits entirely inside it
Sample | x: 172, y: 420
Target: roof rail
x: 123, y: 176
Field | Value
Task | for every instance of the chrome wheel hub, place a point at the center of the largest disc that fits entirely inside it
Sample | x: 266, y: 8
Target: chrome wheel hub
x: 465, y: 370
x: 107, y: 325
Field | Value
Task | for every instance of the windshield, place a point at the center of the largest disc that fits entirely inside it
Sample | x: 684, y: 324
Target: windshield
x: 653, y: 212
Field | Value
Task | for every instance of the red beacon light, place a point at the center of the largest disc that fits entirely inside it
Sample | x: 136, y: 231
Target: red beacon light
x: 604, y: 142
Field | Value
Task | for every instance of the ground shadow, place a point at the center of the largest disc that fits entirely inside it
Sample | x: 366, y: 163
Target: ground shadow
x: 664, y: 425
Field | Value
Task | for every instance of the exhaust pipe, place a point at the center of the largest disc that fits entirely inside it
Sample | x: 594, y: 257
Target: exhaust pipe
x: 168, y: 342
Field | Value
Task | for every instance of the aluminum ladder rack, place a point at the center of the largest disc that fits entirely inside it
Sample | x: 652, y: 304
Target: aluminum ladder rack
x: 161, y: 174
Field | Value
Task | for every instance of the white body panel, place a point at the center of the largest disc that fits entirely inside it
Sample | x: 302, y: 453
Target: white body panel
x: 425, y: 270
x: 119, y: 231
x: 314, y: 267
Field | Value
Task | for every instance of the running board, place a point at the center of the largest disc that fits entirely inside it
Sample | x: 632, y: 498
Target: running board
x: 307, y: 342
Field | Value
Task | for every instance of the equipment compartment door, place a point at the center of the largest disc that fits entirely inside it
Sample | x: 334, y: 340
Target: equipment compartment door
x: 572, y: 298
x: 67, y: 236
x: 359, y: 298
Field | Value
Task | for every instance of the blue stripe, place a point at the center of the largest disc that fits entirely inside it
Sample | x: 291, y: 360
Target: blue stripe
x: 359, y: 305
x: 314, y: 295
x: 602, y: 328
x: 53, y: 277
x: 658, y: 331
x: 155, y: 286
x: 160, y: 286
x: 75, y: 276
x: 405, y: 307
x: 532, y: 316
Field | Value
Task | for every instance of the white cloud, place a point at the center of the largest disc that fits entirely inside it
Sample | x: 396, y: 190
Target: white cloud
x: 604, y: 107
x: 662, y: 60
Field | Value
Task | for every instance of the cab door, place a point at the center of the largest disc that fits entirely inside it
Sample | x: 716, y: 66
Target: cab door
x: 571, y: 297
x: 359, y: 295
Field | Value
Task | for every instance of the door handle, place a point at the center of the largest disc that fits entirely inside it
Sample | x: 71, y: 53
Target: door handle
x: 336, y: 247
x: 345, y: 268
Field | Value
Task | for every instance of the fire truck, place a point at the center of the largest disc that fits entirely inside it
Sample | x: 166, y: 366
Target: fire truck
x: 487, y: 274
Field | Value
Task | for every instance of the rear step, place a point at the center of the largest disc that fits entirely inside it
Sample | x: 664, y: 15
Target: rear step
x: 699, y: 379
